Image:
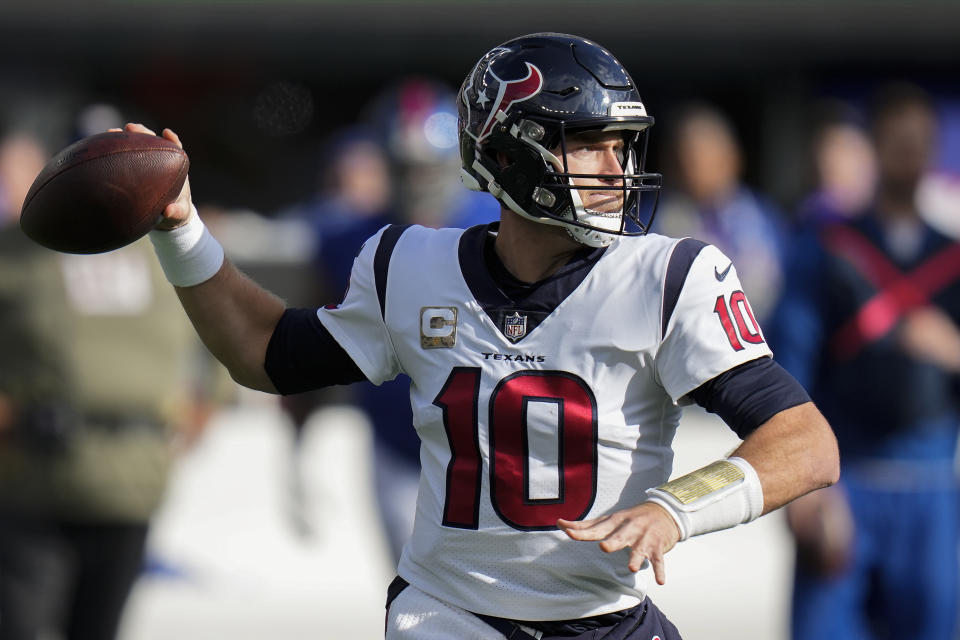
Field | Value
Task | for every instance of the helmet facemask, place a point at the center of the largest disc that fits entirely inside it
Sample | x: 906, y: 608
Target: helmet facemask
x: 595, y: 226
x: 534, y: 180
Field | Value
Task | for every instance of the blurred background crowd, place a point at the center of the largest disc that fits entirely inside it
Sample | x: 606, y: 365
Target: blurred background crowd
x: 130, y: 464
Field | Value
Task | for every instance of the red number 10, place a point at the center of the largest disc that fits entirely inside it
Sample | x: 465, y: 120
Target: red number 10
x: 741, y: 331
x: 509, y: 448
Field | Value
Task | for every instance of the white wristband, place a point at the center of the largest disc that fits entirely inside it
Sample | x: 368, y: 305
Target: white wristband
x: 719, y: 496
x: 188, y: 254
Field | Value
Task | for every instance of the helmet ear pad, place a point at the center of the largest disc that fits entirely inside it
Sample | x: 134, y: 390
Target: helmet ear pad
x: 518, y: 168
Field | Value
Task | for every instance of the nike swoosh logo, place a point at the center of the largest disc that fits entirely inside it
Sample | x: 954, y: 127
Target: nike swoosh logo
x: 721, y: 275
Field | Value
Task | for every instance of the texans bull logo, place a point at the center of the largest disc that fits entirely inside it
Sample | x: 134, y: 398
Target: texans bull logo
x: 509, y: 93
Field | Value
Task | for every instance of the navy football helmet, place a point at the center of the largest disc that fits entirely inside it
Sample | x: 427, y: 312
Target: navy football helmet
x: 516, y: 109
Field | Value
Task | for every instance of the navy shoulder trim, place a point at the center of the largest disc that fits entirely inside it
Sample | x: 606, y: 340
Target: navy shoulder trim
x: 684, y: 253
x: 381, y: 261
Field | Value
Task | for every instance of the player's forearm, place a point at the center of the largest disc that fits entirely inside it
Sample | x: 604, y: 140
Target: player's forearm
x: 235, y: 318
x: 793, y: 453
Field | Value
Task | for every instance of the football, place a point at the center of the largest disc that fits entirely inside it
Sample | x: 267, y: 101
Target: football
x: 103, y: 192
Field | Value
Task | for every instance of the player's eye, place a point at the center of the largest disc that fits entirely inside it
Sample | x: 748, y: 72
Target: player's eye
x: 581, y: 148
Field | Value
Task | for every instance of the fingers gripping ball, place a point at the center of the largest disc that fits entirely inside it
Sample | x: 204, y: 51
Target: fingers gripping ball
x: 103, y: 192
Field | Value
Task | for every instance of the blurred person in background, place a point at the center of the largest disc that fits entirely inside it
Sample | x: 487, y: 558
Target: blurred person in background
x: 98, y: 383
x: 844, y: 167
x: 869, y: 322
x: 397, y: 166
x: 416, y: 120
x: 352, y: 202
x: 709, y: 202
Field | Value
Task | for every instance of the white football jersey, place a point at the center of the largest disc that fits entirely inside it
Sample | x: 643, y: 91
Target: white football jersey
x: 564, y: 409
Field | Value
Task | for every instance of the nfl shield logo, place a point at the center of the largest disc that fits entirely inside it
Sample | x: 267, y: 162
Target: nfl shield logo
x: 515, y: 326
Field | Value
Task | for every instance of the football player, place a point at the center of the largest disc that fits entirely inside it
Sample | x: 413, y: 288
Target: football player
x: 550, y: 354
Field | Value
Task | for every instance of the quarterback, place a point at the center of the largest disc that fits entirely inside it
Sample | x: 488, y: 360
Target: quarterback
x: 550, y: 354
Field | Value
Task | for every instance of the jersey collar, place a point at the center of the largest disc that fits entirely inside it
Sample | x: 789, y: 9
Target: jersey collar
x: 501, y: 295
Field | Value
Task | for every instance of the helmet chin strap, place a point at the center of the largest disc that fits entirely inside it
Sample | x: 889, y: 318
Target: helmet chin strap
x: 592, y: 237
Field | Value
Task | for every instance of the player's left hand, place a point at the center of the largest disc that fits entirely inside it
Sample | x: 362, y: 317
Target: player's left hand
x: 646, y: 529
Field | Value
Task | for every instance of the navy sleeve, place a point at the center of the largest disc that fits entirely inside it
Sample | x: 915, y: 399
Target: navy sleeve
x: 750, y: 394
x: 302, y: 355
